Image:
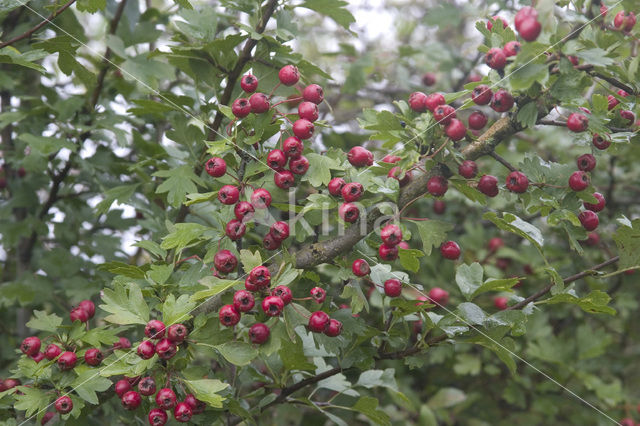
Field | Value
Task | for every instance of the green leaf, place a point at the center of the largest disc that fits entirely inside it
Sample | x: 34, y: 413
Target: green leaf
x: 320, y: 167
x: 293, y: 357
x: 181, y: 181
x: 596, y: 57
x: 528, y: 114
x: 471, y: 313
x: 216, y: 286
x: 334, y: 9
x: 432, y: 233
x: 469, y: 280
x: 152, y: 247
x: 200, y: 198
x: 526, y: 76
x: 409, y: 259
x: 175, y: 311
x: 358, y: 299
x: 627, y: 239
x: 514, y: 224
x: 368, y: 406
x: 46, y: 145
x: 100, y: 336
x: 207, y: 390
x: 31, y: 400
x: 182, y: 235
x: 91, y: 6
x: 159, y: 274
x: 126, y: 304
x: 238, y: 353
x: 120, y: 268
x: 446, y: 397
x: 45, y: 322
x: 594, y: 302
x: 250, y: 260
x: 88, y: 383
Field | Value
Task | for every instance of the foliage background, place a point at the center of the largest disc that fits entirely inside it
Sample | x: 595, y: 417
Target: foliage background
x: 110, y: 155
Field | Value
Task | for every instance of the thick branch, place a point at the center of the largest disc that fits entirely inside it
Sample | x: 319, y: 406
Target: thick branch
x: 567, y: 280
x: 28, y: 33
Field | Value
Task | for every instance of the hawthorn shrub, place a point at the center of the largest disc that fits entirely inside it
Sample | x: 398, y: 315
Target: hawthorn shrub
x: 187, y: 237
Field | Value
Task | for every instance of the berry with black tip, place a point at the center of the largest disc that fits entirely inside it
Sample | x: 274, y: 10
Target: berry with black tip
x: 261, y: 198
x: 577, y: 122
x: 177, y: 333
x: 284, y: 293
x: 352, y: 192
x: 93, y: 357
x: 502, y: 101
x: 52, y: 351
x: 334, y: 329
x: 391, y: 235
x: 229, y: 316
x: 67, y: 360
x: 270, y: 243
x: 235, y: 229
x: 147, y: 386
x: 225, y: 261
x: 228, y: 195
x: 166, y: 399
x: 318, y: 294
x: 249, y: 83
x: 284, y: 179
x: 388, y: 253
x: 517, y: 182
x: 157, y: 417
x: 292, y: 147
x: 30, y: 346
x: 335, y: 186
x: 154, y: 329
x: 348, y: 212
x: 579, y: 181
x: 63, y: 405
x: 260, y: 276
x: 277, y: 159
x: 443, y: 114
x: 215, y: 167
x: 481, y: 94
x: 495, y: 58
x: 299, y: 165
x: 586, y: 162
x: 244, y: 211
x: 600, y: 142
x: 146, y: 349
x: 272, y: 306
x: 131, y: 400
x: 166, y: 349
x: 241, y: 108
x: 511, y: 48
x: 433, y: 100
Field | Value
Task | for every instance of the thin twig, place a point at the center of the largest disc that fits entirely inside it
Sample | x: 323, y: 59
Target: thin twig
x: 29, y: 32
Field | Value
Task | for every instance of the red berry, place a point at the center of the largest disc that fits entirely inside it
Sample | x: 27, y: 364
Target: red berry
x: 612, y: 102
x: 37, y: 357
x: 495, y: 243
x: 348, y: 212
x: 284, y: 293
x: 244, y: 211
x: 154, y: 329
x: 319, y: 294
x: 52, y: 351
x: 392, y: 287
x: 158, y: 417
x: 495, y: 58
x: 249, y: 83
x: 577, y: 122
x: 284, y: 179
x: 456, y: 130
x: 450, y: 250
x: 30, y: 346
x: 578, y: 181
x: 272, y: 306
x: 9, y: 384
x: 93, y: 357
x: 292, y: 147
x: 502, y: 101
x: 303, y: 128
x: 215, y: 167
x: 166, y: 399
x: 477, y: 120
x: 500, y: 302
x: 261, y: 198
x: 468, y: 169
x: 574, y: 60
x: 530, y: 29
x: 89, y: 307
x: 437, y: 186
x: 586, y: 162
x: 596, y: 207
x: 360, y: 157
x: 428, y: 79
x: 280, y: 230
x: 318, y: 322
x: 334, y: 328
x: 439, y: 296
x: 488, y: 185
x: 67, y: 360
x: 122, y: 343
x: 289, y: 75
x: 276, y: 159
x: 511, y: 48
x: 235, y: 229
x: 131, y: 400
x: 388, y: 253
x: 352, y: 192
x: 183, y: 412
x: 481, y: 94
x: 517, y: 182
x: 270, y: 243
x: 360, y: 268
x: 47, y: 417
x: 335, y: 186
x: 439, y: 206
x: 259, y: 333
x: 229, y: 315
x: 241, y: 108
x: 627, y: 422
x: 600, y: 142
x: 63, y: 405
x: 624, y: 21
x: 260, y: 276
x: 433, y: 100
x: 589, y: 220
x: 523, y: 14
x: 147, y: 386
x: 299, y: 165
x: 627, y: 116
x: 146, y: 349
x: 389, y: 158
x: 177, y: 333
x: 403, y: 245
x: 443, y: 114
x: 166, y: 349
x: 228, y: 195
x: 391, y: 235
x: 79, y: 314
x: 308, y: 111
x: 593, y: 239
x: 225, y: 261
x: 313, y: 93
x: 398, y: 174
x: 259, y: 103
x: 417, y: 101
x: 496, y: 19
x: 122, y: 386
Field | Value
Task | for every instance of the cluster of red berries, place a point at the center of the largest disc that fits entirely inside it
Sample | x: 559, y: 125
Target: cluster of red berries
x: 258, y: 282
x: 623, y: 21
x: 442, y: 113
x: 165, y: 399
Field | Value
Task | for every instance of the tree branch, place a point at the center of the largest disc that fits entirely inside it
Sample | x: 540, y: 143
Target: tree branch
x: 28, y: 33
x: 567, y: 280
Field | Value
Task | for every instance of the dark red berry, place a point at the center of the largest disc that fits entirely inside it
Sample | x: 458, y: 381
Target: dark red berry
x: 495, y: 58
x: 393, y: 287
x: 63, y: 405
x: 417, y: 101
x: 334, y: 328
x: 511, y: 48
x: 30, y: 346
x: 502, y: 101
x: 308, y: 111
x: 177, y: 333
x: 235, y: 229
x: 488, y: 185
x: 89, y: 307
x: 313, y: 93
x: 196, y: 405
x: 450, y: 250
x: 93, y: 357
x: 589, y: 220
x: 166, y: 399
x: 289, y: 75
x: 67, y: 360
x: 260, y: 276
x: 319, y: 294
x: 439, y: 206
x: 228, y: 195
x: 456, y: 130
x: 439, y: 296
x: 229, y: 315
x: 352, y: 192
x: 244, y: 211
x: 335, y: 186
x: 437, y: 186
x: 122, y: 386
x: 433, y: 100
x: 146, y: 349
x: 360, y: 268
x: 241, y: 108
x: 225, y: 261
x: 284, y: 293
x: 280, y: 230
x: 477, y: 120
x: 517, y: 182
x: 579, y: 180
x: 277, y: 159
x: 79, y: 314
x: 183, y: 412
x: 318, y: 322
x: 157, y: 417
x: 401, y: 176
x: 600, y: 142
x: 299, y: 165
x: 500, y: 303
x: 243, y: 300
x: 530, y: 29
x: 147, y: 386
x: 259, y: 103
x: 468, y: 169
x: 481, y: 94
x: 391, y: 235
x: 586, y: 162
x: 284, y: 179
x: 259, y: 333
x: 443, y: 114
x: 272, y: 306
x: 525, y: 13
x: 166, y: 349
x: 303, y: 128
x: 52, y: 351
x: 292, y: 147
x: 360, y: 157
x: 215, y: 167
x: 261, y: 198
x: 428, y: 79
x: 596, y: 207
x: 249, y: 83
x: 348, y: 212
x: 577, y: 122
x: 388, y: 253
x: 154, y: 329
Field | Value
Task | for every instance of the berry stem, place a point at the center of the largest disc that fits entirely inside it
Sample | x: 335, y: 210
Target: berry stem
x: 299, y: 98
x: 274, y: 90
